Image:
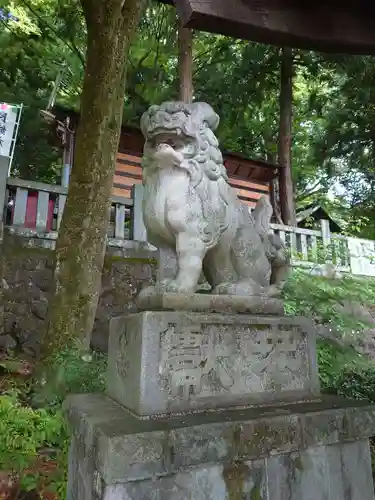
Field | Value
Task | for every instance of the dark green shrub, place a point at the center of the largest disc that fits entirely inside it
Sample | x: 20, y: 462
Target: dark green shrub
x: 357, y: 383
x: 69, y: 373
x: 26, y: 432
x: 333, y: 360
x: 317, y: 297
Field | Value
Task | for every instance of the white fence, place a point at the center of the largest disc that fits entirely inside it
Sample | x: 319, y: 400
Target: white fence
x: 312, y: 248
x: 38, y: 207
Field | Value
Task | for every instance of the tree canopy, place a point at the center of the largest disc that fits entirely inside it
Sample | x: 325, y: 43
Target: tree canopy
x: 333, y: 156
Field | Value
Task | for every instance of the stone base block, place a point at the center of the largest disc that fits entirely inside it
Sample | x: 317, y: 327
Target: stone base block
x: 311, y: 451
x: 170, y: 362
x: 151, y: 300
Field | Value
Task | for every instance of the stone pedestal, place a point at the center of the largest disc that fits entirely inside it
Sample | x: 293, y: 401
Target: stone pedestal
x: 169, y: 361
x: 310, y: 451
x: 216, y: 406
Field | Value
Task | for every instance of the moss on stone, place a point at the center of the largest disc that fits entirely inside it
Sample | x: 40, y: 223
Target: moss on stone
x: 110, y: 260
x: 255, y: 493
x: 263, y: 435
x: 130, y: 260
x: 236, y: 438
x: 235, y: 476
x: 19, y: 250
x: 298, y: 463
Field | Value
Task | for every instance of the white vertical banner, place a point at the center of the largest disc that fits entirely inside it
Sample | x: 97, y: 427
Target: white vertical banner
x: 10, y: 115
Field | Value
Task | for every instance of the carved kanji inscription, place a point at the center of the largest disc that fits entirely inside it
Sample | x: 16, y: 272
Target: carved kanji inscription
x: 202, y: 360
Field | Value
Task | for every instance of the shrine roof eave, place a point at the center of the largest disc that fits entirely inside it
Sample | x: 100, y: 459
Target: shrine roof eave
x: 328, y: 26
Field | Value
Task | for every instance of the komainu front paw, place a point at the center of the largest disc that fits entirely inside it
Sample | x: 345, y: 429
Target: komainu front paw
x: 162, y: 285
x: 178, y: 287
x: 167, y: 156
x: 246, y: 288
x: 242, y: 288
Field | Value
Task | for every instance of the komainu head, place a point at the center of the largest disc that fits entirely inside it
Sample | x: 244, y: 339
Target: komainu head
x: 173, y: 122
x: 189, y: 130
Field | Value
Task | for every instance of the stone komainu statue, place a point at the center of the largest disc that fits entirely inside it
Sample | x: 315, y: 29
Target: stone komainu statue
x: 190, y: 207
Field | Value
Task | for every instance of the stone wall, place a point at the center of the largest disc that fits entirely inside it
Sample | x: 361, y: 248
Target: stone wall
x: 26, y: 267
x: 26, y: 279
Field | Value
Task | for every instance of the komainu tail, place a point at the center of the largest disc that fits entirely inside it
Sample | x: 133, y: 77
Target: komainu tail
x: 262, y: 214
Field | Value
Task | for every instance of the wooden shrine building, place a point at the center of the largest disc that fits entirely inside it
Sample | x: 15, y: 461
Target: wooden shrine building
x: 252, y: 178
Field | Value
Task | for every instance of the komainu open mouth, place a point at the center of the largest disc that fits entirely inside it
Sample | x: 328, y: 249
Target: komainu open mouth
x: 173, y: 138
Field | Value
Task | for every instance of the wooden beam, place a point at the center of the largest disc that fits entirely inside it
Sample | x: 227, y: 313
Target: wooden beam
x: 325, y: 25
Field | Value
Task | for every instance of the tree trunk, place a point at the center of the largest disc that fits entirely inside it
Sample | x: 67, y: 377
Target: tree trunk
x: 287, y: 204
x: 275, y: 200
x: 185, y: 63
x: 81, y: 244
x: 275, y: 193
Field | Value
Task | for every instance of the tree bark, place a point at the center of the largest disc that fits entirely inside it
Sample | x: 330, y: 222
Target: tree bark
x: 275, y: 193
x: 287, y: 204
x: 275, y: 200
x: 81, y: 243
x: 185, y: 64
